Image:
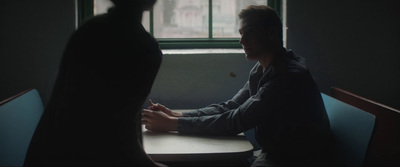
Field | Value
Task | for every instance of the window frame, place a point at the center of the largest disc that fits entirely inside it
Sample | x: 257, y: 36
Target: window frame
x: 85, y: 10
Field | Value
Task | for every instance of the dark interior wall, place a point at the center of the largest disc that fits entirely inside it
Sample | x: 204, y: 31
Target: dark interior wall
x: 33, y: 35
x: 353, y: 44
x: 198, y: 80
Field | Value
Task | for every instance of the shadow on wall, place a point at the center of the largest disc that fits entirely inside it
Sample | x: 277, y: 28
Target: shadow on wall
x: 194, y: 81
x: 352, y: 45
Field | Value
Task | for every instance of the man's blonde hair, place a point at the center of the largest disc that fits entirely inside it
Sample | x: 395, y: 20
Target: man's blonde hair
x: 267, y: 16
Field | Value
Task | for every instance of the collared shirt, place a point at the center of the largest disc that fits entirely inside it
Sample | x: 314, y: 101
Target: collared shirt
x: 283, y: 104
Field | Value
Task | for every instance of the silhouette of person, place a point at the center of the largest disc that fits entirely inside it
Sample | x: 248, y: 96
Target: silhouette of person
x: 106, y: 73
x: 280, y: 101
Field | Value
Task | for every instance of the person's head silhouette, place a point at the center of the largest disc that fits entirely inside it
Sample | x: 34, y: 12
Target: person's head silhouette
x: 142, y: 5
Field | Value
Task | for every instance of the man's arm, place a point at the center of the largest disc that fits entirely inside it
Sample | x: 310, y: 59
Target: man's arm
x: 252, y: 111
x: 255, y: 109
x: 160, y: 118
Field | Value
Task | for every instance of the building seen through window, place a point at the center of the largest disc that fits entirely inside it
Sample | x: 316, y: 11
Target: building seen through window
x: 191, y: 18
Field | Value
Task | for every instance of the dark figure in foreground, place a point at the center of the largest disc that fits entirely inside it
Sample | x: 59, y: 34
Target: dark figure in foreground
x: 280, y: 101
x: 105, y: 76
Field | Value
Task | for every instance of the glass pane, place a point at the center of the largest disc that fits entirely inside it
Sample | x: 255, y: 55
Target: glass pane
x: 101, y: 6
x: 225, y: 16
x: 181, y: 19
x: 146, y: 20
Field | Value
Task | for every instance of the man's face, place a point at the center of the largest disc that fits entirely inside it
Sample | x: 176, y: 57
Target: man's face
x: 254, y: 38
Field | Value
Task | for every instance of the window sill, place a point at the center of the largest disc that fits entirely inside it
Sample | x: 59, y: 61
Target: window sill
x: 201, y: 51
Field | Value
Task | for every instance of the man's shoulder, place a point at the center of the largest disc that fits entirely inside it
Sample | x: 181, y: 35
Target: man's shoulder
x: 290, y: 64
x: 288, y: 72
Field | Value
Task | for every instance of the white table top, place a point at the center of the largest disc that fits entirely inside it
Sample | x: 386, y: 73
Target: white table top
x: 178, y: 147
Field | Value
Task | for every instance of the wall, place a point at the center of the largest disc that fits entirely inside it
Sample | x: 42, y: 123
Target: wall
x: 351, y: 44
x: 32, y: 43
x: 33, y: 35
x: 197, y: 80
x: 354, y: 46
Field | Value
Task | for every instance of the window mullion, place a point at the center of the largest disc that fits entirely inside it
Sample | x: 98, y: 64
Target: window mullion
x: 210, y: 22
x: 276, y: 4
x: 152, y: 22
x: 85, y: 10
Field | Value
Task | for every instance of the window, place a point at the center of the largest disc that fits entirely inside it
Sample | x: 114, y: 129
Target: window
x: 188, y: 23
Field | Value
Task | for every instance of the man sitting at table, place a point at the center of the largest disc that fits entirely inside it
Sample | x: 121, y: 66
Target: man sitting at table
x: 280, y: 101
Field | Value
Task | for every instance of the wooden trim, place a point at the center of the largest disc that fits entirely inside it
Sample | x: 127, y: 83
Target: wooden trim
x: 13, y: 97
x: 384, y: 147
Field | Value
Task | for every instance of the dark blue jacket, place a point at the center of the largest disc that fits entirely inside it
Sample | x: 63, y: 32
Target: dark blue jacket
x: 282, y: 103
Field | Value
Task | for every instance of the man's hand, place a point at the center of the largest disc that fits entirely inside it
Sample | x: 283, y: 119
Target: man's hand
x: 158, y: 121
x: 160, y: 107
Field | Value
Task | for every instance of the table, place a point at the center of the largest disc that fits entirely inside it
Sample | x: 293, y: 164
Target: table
x: 172, y: 147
